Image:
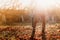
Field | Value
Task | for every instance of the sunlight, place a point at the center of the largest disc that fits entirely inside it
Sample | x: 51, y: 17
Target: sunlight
x: 19, y: 4
x: 25, y: 2
x: 37, y: 4
x: 46, y: 4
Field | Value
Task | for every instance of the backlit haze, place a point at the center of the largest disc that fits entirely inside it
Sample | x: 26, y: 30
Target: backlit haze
x: 37, y: 4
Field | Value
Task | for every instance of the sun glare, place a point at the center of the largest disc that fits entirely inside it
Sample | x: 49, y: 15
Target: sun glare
x: 24, y: 3
x: 43, y: 4
x: 38, y: 4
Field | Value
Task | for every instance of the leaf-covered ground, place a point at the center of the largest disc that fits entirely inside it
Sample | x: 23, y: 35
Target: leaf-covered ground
x: 16, y: 32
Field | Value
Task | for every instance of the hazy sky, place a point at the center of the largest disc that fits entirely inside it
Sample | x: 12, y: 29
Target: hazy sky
x: 26, y: 3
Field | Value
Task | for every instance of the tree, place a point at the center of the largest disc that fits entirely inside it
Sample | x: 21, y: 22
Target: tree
x: 43, y: 27
x: 34, y: 22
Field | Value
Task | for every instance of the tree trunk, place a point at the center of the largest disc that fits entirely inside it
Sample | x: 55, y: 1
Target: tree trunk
x: 43, y: 28
x: 34, y: 22
x: 4, y: 19
x: 22, y: 18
